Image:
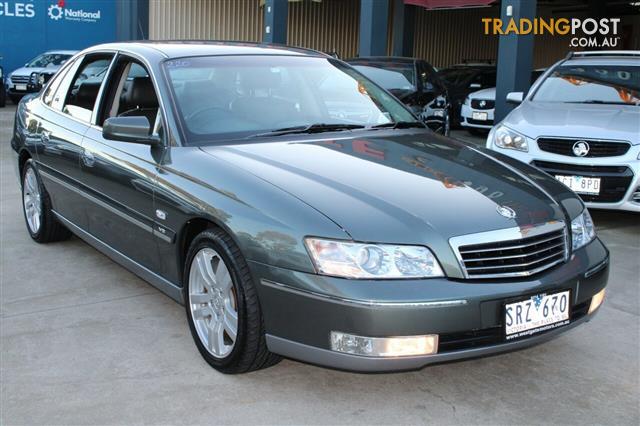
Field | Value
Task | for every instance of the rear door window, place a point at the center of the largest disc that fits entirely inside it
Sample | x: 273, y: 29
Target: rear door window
x: 83, y: 91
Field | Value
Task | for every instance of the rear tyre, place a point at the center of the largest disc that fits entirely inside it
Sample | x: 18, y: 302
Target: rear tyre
x: 222, y: 306
x: 41, y: 223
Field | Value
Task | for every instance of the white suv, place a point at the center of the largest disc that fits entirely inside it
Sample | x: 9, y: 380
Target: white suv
x: 580, y: 122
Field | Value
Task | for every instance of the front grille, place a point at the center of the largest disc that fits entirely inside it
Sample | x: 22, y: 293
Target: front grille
x: 517, y: 257
x: 614, y: 180
x: 488, y: 104
x: 449, y: 342
x: 597, y: 148
x: 480, y: 122
x: 19, y: 79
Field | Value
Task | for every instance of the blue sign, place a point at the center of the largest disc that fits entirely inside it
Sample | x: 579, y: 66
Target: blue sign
x: 30, y: 27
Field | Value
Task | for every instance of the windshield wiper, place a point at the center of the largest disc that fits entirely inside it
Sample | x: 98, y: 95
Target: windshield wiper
x: 399, y: 125
x: 310, y: 128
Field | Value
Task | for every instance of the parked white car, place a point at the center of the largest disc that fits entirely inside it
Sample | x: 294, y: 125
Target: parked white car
x: 580, y: 123
x: 476, y: 114
x: 18, y: 80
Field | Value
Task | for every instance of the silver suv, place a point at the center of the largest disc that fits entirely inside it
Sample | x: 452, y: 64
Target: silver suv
x: 580, y: 122
x: 18, y: 80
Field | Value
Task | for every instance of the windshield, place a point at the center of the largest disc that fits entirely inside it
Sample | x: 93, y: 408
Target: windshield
x: 230, y: 97
x: 456, y: 76
x: 389, y: 79
x: 597, y: 84
x: 48, y: 60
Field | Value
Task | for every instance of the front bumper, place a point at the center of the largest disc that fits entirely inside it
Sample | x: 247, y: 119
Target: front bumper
x: 628, y: 201
x: 300, y: 311
x: 466, y: 118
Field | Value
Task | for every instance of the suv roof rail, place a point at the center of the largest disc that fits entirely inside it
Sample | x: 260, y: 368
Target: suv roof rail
x: 603, y: 53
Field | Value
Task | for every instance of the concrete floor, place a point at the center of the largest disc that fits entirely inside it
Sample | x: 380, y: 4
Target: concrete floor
x: 86, y: 342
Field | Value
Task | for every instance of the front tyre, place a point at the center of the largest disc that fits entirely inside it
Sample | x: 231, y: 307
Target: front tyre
x: 222, y: 306
x: 36, y: 206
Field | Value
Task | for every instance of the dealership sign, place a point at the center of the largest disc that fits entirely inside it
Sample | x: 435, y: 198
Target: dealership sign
x: 59, y: 11
x: 29, y: 27
x: 17, y: 10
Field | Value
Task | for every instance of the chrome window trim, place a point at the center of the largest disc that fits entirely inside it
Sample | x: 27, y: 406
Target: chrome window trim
x: 509, y: 234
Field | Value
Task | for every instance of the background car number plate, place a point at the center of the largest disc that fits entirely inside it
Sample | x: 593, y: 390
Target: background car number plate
x: 479, y: 116
x: 580, y: 184
x: 21, y: 87
x: 438, y: 113
x: 538, y: 313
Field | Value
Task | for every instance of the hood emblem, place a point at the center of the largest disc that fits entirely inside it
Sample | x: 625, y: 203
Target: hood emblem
x: 581, y: 148
x: 507, y: 212
x: 483, y: 104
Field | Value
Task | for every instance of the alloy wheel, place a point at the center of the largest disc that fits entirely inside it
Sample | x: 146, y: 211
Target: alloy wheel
x: 213, y: 303
x: 32, y: 200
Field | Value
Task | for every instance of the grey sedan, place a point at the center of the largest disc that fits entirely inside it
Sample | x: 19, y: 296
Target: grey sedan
x: 298, y: 209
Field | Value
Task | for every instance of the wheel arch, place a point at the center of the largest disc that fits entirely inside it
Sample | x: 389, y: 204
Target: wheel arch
x: 23, y: 156
x: 188, y: 233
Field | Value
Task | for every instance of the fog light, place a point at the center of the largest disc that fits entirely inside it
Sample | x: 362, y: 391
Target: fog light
x: 596, y: 301
x: 384, y: 346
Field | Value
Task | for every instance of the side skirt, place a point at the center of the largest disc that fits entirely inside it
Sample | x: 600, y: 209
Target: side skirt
x: 165, y: 286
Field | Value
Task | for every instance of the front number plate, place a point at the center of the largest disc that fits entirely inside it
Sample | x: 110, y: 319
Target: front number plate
x: 580, y: 184
x: 538, y: 313
x: 21, y: 87
x: 482, y: 116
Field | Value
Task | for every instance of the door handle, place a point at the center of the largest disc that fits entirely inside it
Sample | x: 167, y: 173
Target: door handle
x: 45, y: 136
x: 88, y: 158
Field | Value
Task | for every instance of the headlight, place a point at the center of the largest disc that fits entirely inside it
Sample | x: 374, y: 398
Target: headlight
x: 363, y: 260
x: 582, y: 230
x: 467, y: 101
x: 506, y: 138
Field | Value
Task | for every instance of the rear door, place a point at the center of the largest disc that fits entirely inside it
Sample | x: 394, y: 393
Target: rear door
x: 121, y: 175
x: 64, y: 119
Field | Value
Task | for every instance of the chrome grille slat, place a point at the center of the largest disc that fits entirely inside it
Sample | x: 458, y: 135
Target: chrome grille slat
x: 516, y: 265
x: 484, y: 259
x: 464, y: 251
x: 20, y: 79
x: 512, y: 252
x: 597, y: 147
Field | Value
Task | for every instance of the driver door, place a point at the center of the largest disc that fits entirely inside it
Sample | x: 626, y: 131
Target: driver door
x: 123, y: 174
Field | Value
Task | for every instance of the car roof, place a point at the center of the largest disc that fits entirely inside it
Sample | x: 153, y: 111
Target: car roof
x: 473, y: 67
x: 183, y: 48
x: 402, y: 59
x: 62, y: 52
x: 603, y: 60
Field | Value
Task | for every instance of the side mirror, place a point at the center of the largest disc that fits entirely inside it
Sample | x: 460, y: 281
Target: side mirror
x: 475, y: 86
x: 515, y: 97
x: 129, y: 129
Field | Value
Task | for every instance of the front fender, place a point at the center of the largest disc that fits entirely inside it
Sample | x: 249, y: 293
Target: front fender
x: 267, y: 224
